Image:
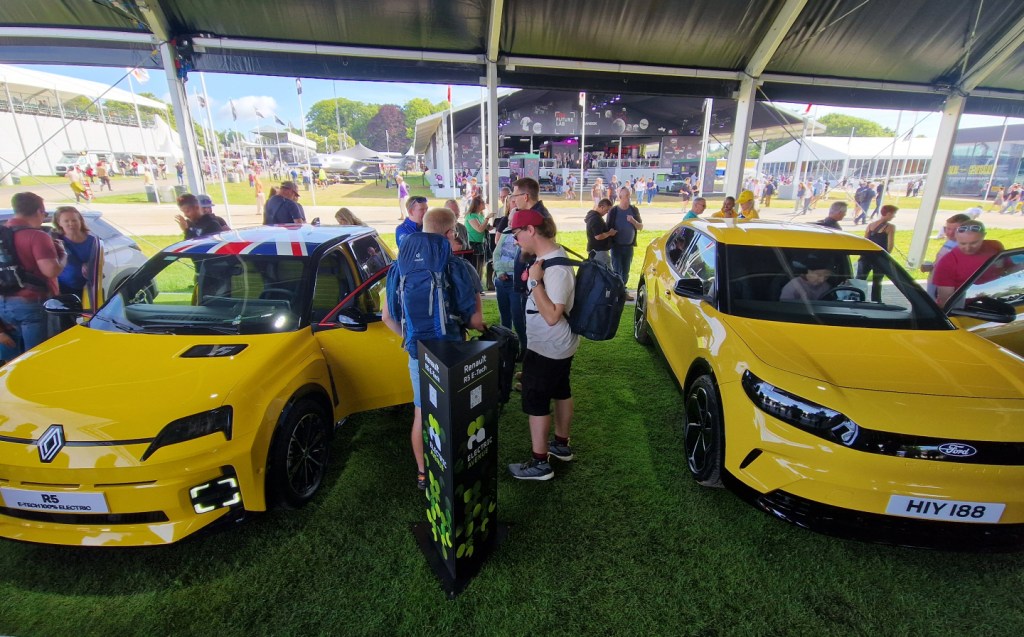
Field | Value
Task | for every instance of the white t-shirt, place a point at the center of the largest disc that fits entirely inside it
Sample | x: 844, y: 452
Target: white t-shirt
x: 554, y: 341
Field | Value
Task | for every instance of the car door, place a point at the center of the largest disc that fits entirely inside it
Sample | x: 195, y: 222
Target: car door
x: 1001, y: 278
x: 368, y: 366
x: 683, y: 317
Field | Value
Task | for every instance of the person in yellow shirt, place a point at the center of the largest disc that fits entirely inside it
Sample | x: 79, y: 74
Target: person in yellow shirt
x: 728, y: 210
x: 746, y: 202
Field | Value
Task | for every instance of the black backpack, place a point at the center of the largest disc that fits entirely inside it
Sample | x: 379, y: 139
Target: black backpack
x: 508, y: 354
x: 598, y: 299
x: 13, y: 276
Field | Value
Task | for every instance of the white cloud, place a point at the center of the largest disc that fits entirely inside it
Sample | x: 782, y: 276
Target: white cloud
x: 246, y: 108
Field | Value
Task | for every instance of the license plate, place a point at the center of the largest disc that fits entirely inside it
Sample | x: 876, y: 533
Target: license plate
x: 55, y: 501
x: 945, y: 510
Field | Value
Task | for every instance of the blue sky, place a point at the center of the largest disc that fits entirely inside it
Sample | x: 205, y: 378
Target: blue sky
x: 276, y: 96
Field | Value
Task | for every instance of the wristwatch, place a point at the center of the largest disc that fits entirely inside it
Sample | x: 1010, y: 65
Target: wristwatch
x: 532, y: 283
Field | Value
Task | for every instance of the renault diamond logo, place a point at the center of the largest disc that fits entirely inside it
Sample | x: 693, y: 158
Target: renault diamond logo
x: 50, y: 443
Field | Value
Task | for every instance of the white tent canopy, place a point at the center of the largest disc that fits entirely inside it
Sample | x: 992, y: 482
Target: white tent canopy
x: 840, y: 148
x: 358, y: 152
x: 30, y: 84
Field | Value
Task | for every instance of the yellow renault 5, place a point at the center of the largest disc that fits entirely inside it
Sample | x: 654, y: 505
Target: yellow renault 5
x: 209, y: 385
x: 848, y: 405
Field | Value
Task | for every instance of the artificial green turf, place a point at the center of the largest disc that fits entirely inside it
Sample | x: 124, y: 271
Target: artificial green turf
x: 621, y: 542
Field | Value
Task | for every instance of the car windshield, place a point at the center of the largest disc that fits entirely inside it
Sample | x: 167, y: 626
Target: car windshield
x: 830, y: 287
x: 208, y: 294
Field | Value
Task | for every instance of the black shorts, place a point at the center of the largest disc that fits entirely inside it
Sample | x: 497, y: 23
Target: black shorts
x: 544, y: 379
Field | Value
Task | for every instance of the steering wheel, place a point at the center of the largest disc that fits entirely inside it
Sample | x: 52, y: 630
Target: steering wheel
x: 276, y: 294
x: 858, y: 294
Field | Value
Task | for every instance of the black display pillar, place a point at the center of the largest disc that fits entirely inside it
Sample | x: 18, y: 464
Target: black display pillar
x: 459, y: 398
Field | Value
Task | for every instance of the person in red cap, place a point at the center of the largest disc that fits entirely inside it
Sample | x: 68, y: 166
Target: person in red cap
x: 551, y: 345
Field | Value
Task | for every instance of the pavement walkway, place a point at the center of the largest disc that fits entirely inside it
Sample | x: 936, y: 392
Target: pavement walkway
x: 158, y: 219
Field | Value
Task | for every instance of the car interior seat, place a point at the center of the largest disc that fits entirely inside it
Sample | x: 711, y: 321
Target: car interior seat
x: 329, y: 288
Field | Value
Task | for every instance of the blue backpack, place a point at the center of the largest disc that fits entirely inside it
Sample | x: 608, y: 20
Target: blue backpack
x: 432, y: 292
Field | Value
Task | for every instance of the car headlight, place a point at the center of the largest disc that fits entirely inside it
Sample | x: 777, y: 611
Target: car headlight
x: 192, y: 427
x: 800, y: 412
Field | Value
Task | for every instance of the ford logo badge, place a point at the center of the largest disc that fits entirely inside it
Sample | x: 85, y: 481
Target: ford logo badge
x: 957, y: 449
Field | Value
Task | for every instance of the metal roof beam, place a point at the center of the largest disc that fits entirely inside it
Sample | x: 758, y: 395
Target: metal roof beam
x: 773, y: 39
x: 993, y: 57
x: 512, y: 62
x: 156, y: 19
x: 874, y: 85
x: 494, y: 31
x: 202, y: 43
x: 84, y: 35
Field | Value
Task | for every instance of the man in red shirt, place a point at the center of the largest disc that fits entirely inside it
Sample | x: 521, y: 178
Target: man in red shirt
x: 42, y: 258
x: 956, y: 266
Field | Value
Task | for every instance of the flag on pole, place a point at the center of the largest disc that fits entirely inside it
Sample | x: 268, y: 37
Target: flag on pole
x: 234, y: 113
x: 202, y: 101
x: 278, y: 120
x: 583, y: 99
x: 141, y: 75
x: 258, y: 113
x: 449, y: 93
x: 298, y: 86
x: 808, y: 109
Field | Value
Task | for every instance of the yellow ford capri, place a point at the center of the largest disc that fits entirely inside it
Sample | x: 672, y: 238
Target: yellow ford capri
x: 209, y: 385
x: 849, y: 405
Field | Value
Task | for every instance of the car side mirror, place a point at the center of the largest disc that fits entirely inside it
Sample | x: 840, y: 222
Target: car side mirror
x: 986, y: 308
x: 351, y: 319
x: 64, y: 304
x: 690, y: 288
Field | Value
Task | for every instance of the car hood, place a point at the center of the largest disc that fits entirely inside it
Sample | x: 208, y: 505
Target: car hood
x: 931, y: 362
x: 115, y: 386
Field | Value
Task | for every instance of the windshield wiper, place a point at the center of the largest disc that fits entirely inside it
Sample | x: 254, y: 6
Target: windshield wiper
x: 124, y: 327
x: 187, y: 328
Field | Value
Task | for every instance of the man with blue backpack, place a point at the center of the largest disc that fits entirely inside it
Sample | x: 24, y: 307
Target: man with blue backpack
x: 430, y: 295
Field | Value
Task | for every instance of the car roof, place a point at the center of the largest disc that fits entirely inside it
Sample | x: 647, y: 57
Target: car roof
x: 7, y: 213
x: 767, y: 232
x: 285, y: 240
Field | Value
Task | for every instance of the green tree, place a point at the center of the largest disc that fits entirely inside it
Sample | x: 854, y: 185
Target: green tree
x: 415, y: 109
x: 354, y: 117
x: 839, y: 125
x: 390, y: 119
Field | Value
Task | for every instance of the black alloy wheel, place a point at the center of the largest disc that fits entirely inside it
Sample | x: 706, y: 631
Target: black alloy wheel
x: 641, y: 330
x: 703, y: 432
x: 299, y: 454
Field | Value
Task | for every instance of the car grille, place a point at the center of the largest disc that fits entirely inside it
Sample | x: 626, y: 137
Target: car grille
x: 146, y: 517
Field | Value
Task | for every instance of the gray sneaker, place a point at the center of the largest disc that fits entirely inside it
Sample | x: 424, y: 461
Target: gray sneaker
x: 560, y: 452
x: 532, y: 469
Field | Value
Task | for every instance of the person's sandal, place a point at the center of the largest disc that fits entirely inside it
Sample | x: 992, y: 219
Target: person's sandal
x: 421, y: 481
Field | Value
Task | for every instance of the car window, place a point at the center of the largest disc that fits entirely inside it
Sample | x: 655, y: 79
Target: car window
x: 677, y: 244
x: 860, y: 288
x: 698, y: 262
x: 370, y: 256
x: 333, y: 283
x: 201, y: 293
x: 1002, y: 279
x: 102, y: 229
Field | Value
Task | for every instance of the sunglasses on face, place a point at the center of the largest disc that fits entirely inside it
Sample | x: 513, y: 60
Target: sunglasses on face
x: 418, y: 199
x: 971, y: 227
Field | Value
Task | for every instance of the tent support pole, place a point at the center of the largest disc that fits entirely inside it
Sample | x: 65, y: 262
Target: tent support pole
x: 936, y: 179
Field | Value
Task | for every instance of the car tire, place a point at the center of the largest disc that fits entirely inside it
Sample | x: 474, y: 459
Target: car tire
x: 704, y: 432
x: 299, y: 453
x: 641, y: 329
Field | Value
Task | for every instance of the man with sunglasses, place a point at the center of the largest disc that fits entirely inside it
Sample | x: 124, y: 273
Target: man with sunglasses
x: 283, y: 207
x: 416, y: 207
x: 971, y: 252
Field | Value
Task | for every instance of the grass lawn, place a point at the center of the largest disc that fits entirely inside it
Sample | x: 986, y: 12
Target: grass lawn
x: 621, y: 542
